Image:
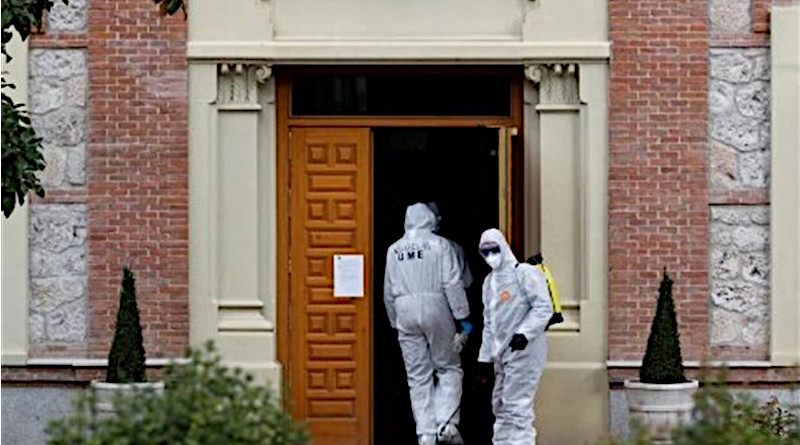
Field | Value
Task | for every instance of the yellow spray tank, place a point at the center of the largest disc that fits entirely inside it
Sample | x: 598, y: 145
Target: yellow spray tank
x: 538, y: 262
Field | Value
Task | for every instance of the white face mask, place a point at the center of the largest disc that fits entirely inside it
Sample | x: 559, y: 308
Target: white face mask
x: 494, y: 260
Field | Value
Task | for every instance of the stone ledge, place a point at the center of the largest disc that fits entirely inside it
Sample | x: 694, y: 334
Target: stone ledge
x: 749, y: 372
x: 459, y: 51
x: 50, y: 374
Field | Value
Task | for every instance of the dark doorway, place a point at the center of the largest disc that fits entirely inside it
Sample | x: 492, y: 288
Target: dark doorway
x: 458, y: 169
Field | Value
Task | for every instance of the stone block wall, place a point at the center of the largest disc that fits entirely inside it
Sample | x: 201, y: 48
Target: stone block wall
x: 68, y: 18
x: 740, y: 277
x: 58, y: 294
x: 739, y: 106
x: 739, y: 177
x: 58, y: 225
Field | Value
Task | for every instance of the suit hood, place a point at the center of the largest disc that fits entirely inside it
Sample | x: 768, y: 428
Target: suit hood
x: 420, y: 217
x: 494, y: 236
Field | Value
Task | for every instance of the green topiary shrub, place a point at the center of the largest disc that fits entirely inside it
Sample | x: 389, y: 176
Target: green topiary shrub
x: 126, y: 358
x: 662, y: 360
x: 204, y: 402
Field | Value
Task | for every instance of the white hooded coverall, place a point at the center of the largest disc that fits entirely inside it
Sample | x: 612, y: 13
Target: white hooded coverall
x: 515, y: 301
x: 463, y: 266
x: 423, y: 293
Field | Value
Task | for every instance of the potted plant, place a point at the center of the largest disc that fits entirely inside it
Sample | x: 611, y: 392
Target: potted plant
x: 662, y: 398
x: 205, y: 402
x: 126, y: 360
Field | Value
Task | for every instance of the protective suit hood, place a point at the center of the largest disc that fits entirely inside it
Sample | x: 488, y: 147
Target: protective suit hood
x: 435, y: 209
x: 420, y: 217
x: 494, y: 236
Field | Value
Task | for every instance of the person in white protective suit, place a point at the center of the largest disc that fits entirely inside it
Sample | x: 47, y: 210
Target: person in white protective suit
x: 466, y: 273
x: 516, y: 310
x: 464, y: 327
x: 423, y: 294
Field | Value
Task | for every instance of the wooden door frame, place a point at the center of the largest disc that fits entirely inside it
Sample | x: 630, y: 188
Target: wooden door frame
x: 285, y: 121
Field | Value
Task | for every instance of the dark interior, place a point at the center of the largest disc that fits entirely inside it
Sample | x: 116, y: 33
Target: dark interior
x: 374, y: 94
x: 456, y: 168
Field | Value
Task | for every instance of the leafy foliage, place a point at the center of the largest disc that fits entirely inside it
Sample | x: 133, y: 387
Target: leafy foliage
x: 126, y: 358
x: 22, y: 156
x: 171, y: 6
x: 723, y: 418
x: 203, y: 402
x: 23, y: 16
x: 662, y: 360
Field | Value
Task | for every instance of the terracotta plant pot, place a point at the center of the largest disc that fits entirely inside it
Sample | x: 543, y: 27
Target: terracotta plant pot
x: 660, y: 408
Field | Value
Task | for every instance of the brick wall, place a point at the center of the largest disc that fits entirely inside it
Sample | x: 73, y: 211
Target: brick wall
x: 138, y: 171
x: 658, y: 192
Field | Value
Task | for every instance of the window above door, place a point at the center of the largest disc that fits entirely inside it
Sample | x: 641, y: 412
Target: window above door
x: 398, y: 94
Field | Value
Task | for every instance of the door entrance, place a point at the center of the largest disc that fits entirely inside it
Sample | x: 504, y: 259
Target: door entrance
x: 349, y: 189
x: 458, y: 169
x: 350, y: 160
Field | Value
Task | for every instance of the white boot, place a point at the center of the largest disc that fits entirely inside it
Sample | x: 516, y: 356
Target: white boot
x: 450, y: 435
x: 426, y: 439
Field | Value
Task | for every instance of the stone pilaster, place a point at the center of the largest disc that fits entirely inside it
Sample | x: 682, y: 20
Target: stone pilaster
x: 58, y: 231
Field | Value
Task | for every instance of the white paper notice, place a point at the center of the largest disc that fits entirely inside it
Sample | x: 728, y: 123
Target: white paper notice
x: 348, y: 275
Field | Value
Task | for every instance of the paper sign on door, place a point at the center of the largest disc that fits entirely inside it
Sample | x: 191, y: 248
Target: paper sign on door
x: 348, y: 275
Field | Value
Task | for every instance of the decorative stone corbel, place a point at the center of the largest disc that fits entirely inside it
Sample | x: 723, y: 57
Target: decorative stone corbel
x: 237, y: 83
x: 557, y: 82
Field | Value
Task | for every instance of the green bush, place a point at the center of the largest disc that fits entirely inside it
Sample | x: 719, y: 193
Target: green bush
x: 126, y: 358
x: 203, y: 402
x: 724, y: 418
x: 662, y: 359
x: 721, y: 417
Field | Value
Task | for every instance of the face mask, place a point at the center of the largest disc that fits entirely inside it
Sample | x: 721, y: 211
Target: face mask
x: 494, y: 260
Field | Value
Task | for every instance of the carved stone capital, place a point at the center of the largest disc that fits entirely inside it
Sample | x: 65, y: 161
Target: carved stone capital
x: 557, y: 82
x: 237, y: 83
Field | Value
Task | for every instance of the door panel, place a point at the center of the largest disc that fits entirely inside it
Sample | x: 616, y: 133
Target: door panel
x: 505, y: 183
x: 329, y: 345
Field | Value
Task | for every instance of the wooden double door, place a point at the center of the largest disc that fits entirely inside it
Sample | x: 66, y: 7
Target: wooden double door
x: 329, y: 340
x: 345, y: 374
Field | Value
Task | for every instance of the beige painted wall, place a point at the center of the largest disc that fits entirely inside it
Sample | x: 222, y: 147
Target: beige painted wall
x: 232, y: 150
x: 411, y: 31
x: 257, y: 21
x: 15, y: 236
x: 390, y: 19
x: 572, y: 141
x: 785, y: 190
x: 232, y: 214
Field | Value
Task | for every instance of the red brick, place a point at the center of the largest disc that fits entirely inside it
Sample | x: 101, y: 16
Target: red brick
x: 138, y: 171
x: 658, y: 199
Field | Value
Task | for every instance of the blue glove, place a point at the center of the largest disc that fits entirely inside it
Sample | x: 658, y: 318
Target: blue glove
x: 466, y: 326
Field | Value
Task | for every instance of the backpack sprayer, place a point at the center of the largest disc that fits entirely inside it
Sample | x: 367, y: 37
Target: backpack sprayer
x: 538, y: 262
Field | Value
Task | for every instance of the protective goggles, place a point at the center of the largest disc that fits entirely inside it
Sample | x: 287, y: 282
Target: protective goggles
x: 486, y: 250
